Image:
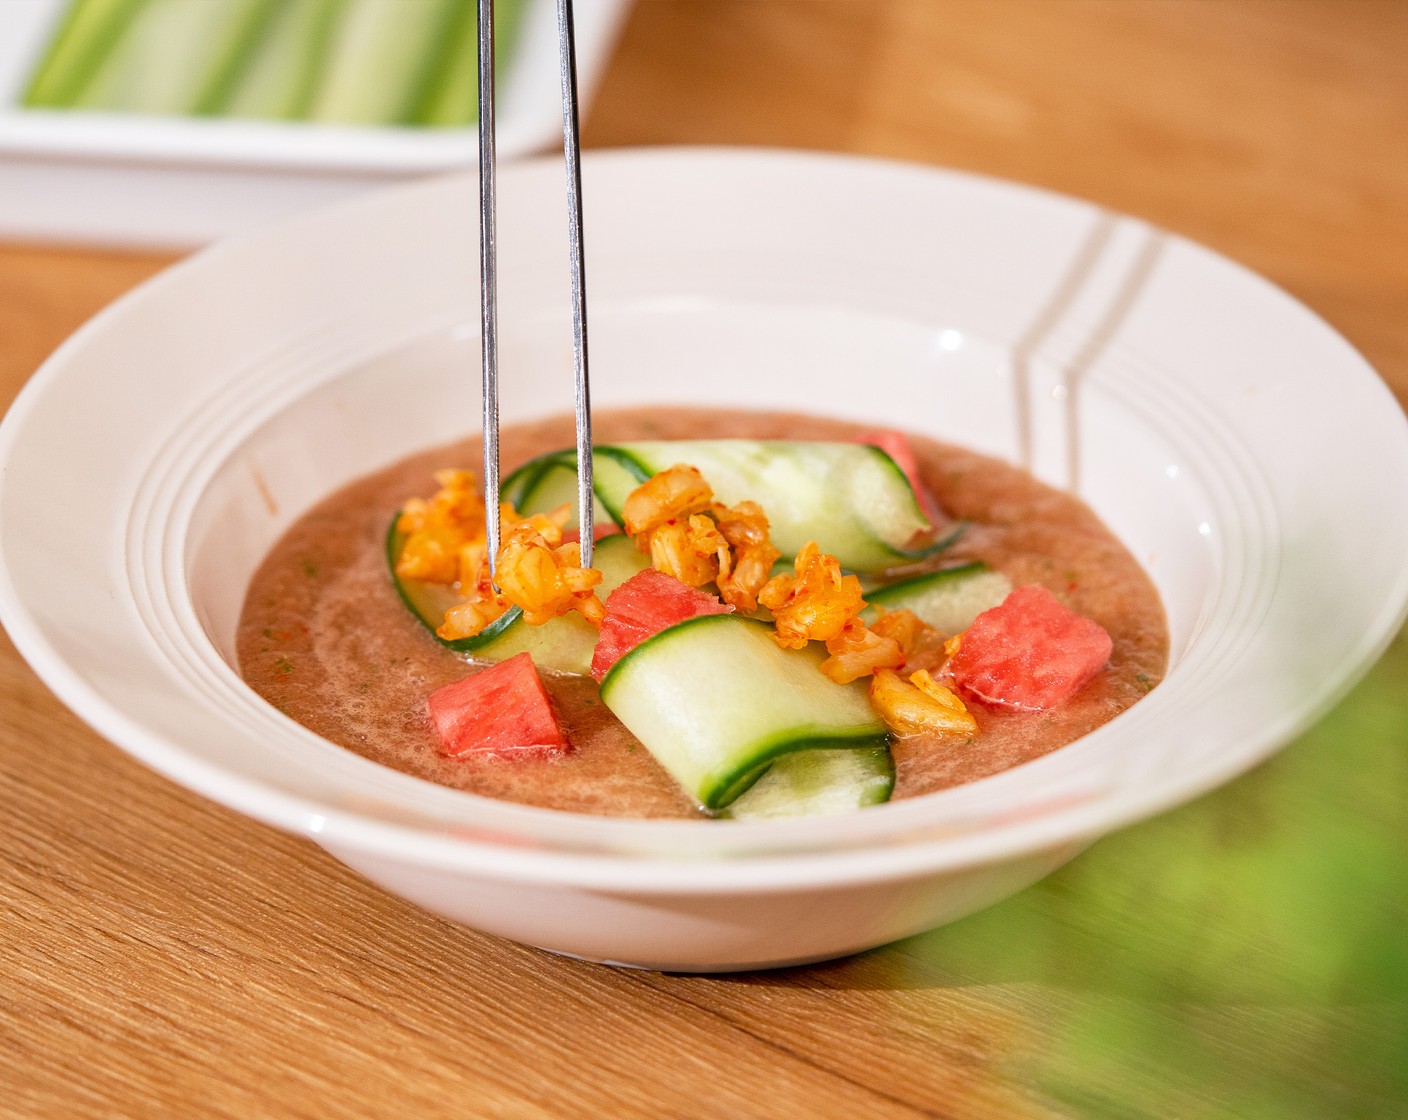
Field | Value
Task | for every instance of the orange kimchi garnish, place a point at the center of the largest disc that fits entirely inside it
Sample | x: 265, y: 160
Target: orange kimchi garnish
x: 857, y: 651
x: 919, y: 705
x: 439, y: 529
x: 815, y: 603
x: 691, y: 549
x: 749, y: 566
x: 537, y: 572
x: 905, y: 628
x: 544, y: 577
x: 676, y: 522
x: 667, y: 496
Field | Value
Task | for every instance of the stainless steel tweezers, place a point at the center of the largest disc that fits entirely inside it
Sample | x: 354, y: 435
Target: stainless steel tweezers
x: 488, y: 298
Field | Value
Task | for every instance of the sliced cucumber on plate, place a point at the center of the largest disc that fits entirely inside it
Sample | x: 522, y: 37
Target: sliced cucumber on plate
x: 343, y: 62
x: 158, y: 56
x: 283, y: 76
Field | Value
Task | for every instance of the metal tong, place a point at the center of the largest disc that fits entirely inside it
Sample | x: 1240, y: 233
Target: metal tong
x: 488, y: 301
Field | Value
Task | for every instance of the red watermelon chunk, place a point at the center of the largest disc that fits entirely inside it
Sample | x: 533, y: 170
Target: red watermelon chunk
x: 1029, y: 652
x: 641, y: 607
x: 503, y: 710
x: 896, y: 446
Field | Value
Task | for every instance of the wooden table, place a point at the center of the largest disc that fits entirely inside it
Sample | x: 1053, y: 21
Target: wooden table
x: 1245, y: 956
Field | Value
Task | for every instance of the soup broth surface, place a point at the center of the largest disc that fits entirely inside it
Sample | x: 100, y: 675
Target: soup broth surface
x: 325, y: 638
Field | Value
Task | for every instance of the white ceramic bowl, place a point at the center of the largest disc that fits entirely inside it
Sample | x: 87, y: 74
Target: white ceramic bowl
x: 1228, y: 436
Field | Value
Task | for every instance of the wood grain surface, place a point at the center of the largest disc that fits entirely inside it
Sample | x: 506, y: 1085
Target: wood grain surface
x: 1242, y: 957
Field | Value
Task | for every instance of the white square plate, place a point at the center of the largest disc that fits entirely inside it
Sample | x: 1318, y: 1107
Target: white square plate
x: 178, y: 182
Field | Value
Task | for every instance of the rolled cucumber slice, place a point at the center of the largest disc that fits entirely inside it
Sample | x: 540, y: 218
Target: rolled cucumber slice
x: 715, y: 700
x: 564, y: 644
x: 549, y: 481
x: 947, y: 600
x: 851, y: 498
x: 818, y: 783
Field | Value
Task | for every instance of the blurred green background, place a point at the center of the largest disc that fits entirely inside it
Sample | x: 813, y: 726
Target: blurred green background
x: 1243, y: 956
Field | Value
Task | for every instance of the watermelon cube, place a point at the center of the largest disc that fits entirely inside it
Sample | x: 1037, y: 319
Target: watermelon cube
x: 1029, y: 652
x: 641, y: 607
x: 502, y: 710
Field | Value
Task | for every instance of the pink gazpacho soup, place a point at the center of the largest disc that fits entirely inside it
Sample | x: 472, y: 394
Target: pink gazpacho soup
x: 784, y: 615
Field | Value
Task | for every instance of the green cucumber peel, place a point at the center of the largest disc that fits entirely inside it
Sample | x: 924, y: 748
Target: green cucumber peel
x: 429, y: 601
x: 716, y: 700
x: 948, y: 599
x: 564, y: 644
x: 546, y: 482
x: 818, y: 783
